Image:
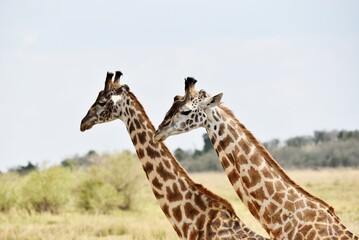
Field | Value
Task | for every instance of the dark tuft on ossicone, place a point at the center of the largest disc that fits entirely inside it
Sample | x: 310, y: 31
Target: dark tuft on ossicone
x: 189, y: 81
x: 109, y: 75
x: 118, y: 73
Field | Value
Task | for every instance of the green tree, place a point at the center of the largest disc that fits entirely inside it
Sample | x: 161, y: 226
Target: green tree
x: 92, y: 157
x: 324, y: 136
x: 23, y: 170
x: 346, y: 135
x: 272, y: 144
x: 181, y: 154
x: 207, y: 143
x: 205, y: 162
x: 300, y: 141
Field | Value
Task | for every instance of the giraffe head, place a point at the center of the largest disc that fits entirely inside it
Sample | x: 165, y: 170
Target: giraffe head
x: 187, y: 112
x: 109, y: 103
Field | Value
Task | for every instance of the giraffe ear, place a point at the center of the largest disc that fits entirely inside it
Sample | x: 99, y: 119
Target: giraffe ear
x: 178, y: 97
x: 211, y: 101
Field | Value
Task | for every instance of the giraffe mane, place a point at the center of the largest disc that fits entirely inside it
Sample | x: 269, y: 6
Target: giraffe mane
x: 140, y: 107
x: 178, y: 167
x: 270, y: 160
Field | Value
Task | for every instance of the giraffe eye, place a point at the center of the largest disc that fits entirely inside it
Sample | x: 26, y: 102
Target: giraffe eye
x: 186, y: 112
x: 102, y: 104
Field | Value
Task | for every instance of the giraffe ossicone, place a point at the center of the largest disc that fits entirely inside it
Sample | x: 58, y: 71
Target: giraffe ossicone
x: 193, y: 211
x: 284, y: 209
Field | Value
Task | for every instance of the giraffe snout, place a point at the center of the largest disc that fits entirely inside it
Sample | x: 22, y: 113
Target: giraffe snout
x: 159, y: 136
x: 86, y: 124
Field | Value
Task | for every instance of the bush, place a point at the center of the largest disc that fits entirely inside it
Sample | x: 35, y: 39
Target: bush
x: 46, y: 190
x: 95, y: 195
x: 207, y: 161
x: 9, y: 191
x: 110, y: 185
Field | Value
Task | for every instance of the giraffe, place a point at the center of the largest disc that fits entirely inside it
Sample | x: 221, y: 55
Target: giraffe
x: 193, y: 211
x: 284, y: 209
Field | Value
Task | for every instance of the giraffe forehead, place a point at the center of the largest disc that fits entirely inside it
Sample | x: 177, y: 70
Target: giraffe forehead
x: 190, y: 105
x: 116, y: 98
x: 195, y: 101
x: 176, y: 106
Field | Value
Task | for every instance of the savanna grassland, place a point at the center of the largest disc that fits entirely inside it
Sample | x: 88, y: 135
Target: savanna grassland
x: 87, y: 204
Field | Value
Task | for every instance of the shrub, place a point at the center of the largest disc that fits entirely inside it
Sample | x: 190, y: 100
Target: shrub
x: 111, y: 184
x: 95, y: 195
x: 9, y: 191
x: 204, y: 162
x: 46, y: 190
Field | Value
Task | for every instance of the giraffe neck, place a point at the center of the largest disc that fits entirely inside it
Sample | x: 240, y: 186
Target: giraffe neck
x: 272, y: 197
x: 191, y: 209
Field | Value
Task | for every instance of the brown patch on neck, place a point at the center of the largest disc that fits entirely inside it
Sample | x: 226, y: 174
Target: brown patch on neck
x: 269, y: 159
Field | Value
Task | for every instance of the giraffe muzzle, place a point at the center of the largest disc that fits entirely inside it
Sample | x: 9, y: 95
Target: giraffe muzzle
x: 85, y: 127
x: 159, y: 136
x: 86, y: 124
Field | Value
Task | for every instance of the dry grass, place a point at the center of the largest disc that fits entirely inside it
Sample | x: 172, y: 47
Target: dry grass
x: 121, y: 225
x: 339, y: 187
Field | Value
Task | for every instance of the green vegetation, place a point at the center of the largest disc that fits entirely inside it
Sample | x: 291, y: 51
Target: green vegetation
x: 145, y: 220
x: 45, y: 191
x: 99, y: 185
x: 199, y: 160
x: 109, y: 185
x: 323, y: 149
x: 87, y: 197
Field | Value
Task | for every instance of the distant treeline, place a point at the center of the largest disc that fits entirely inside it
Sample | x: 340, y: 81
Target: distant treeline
x: 322, y: 149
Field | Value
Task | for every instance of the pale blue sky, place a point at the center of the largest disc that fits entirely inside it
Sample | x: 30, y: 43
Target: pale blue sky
x: 286, y: 68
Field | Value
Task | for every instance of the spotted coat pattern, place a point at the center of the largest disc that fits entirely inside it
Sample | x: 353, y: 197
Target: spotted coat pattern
x: 193, y: 211
x: 284, y: 209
